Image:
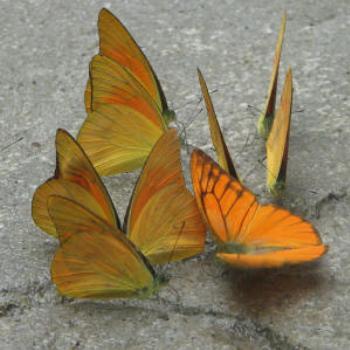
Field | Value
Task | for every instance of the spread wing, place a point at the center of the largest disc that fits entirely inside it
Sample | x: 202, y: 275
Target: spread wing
x: 246, y: 230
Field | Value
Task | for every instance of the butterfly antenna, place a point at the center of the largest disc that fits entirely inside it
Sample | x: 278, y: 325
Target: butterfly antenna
x: 177, y: 240
x: 252, y: 108
x: 183, y: 135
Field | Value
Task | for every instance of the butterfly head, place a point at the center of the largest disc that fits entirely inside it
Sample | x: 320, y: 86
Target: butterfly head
x: 159, y: 281
x: 169, y: 116
x: 277, y: 188
x: 265, y: 124
x: 233, y: 248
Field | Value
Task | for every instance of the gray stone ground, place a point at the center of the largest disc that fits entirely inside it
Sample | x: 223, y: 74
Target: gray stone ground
x: 45, y: 50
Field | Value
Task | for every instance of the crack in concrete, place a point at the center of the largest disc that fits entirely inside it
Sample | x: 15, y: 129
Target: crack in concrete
x: 32, y: 296
x: 329, y: 198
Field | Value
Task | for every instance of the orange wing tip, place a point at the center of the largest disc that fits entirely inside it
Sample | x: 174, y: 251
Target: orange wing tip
x: 274, y: 259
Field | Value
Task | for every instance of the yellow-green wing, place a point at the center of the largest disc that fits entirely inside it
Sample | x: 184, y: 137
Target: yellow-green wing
x: 266, y: 117
x: 277, y: 142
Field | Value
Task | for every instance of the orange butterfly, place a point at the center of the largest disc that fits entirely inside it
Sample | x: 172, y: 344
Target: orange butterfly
x: 268, y: 113
x: 127, y: 109
x: 217, y: 137
x: 249, y: 234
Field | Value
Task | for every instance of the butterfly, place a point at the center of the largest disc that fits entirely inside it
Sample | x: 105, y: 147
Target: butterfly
x: 217, y: 137
x: 249, y: 234
x: 95, y: 260
x: 266, y: 117
x: 127, y: 108
x: 278, y: 139
x: 160, y: 205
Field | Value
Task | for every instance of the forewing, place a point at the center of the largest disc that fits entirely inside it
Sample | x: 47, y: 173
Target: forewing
x: 118, y: 44
x: 74, y: 178
x: 64, y: 189
x: 73, y: 165
x: 271, y: 96
x: 217, y: 137
x: 113, y: 84
x: 164, y: 221
x: 224, y: 202
x: 163, y: 167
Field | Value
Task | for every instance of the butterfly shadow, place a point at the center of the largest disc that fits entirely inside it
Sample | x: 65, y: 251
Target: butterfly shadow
x: 260, y: 291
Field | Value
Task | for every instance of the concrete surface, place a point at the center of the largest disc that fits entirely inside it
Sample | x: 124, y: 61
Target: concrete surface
x: 45, y: 50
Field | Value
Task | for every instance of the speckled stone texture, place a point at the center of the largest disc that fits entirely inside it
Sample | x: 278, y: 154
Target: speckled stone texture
x: 45, y: 50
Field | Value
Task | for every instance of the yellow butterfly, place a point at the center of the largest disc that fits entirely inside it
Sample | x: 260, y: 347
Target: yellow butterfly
x: 267, y: 115
x: 278, y: 140
x: 217, y: 137
x: 127, y: 109
x: 95, y: 260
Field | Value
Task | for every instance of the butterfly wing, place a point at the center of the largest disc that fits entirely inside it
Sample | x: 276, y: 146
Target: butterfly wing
x: 118, y: 44
x: 267, y: 115
x: 117, y: 138
x: 124, y: 123
x: 274, y: 259
x: 95, y: 260
x: 277, y: 142
x: 74, y: 178
x: 113, y: 84
x: 245, y: 230
x: 219, y: 143
x: 163, y: 220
